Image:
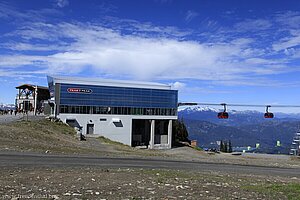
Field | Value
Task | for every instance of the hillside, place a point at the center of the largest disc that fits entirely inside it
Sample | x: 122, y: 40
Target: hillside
x: 55, y: 137
x: 38, y: 136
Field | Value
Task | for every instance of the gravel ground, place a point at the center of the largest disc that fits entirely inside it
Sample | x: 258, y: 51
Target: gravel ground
x: 95, y: 183
x: 4, y: 119
x: 186, y: 153
x: 9, y: 118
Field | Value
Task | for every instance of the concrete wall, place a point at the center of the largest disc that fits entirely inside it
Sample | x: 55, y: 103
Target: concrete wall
x: 117, y: 131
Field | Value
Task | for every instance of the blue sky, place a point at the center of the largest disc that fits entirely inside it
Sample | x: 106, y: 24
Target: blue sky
x: 244, y: 52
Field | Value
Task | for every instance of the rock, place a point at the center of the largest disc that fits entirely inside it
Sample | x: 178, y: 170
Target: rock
x: 179, y: 187
x: 55, y: 196
x: 76, y: 194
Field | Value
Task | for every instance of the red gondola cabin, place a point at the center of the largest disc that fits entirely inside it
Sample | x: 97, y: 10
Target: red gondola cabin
x: 269, y: 115
x: 223, y: 115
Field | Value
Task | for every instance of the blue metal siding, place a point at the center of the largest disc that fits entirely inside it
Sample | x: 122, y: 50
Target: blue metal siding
x: 119, y: 97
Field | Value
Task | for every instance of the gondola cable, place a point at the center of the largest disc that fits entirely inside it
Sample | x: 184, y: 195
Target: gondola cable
x: 225, y: 115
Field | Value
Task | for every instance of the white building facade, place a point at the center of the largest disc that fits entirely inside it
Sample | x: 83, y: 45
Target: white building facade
x: 133, y: 113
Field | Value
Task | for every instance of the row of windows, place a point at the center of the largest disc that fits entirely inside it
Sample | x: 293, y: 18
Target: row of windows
x: 117, y: 110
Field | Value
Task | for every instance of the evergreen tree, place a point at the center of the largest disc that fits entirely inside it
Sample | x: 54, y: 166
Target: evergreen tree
x: 229, y: 147
x: 180, y: 133
x: 225, y: 147
x: 221, y: 146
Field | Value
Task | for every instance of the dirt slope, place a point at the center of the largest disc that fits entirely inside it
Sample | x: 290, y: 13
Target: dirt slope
x: 59, y: 138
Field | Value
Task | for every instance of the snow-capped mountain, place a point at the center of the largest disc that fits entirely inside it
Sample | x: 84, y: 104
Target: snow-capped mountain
x: 7, y: 106
x: 200, y: 108
x: 196, y: 109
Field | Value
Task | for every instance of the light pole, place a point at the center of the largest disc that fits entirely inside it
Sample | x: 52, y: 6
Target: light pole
x: 35, y: 100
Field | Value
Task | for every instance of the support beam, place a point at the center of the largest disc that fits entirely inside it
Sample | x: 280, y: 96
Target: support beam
x: 170, y: 134
x: 152, y: 133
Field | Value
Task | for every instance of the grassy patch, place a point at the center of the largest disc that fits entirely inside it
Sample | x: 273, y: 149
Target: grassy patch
x: 128, y: 150
x: 289, y: 190
x: 38, y: 136
x: 197, y: 148
x: 108, y: 141
x: 295, y: 158
x: 43, y: 126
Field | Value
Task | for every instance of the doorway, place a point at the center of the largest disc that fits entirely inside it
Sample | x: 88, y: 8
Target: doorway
x: 140, y: 132
x: 90, y: 129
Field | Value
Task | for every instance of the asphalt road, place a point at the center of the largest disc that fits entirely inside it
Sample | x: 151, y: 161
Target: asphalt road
x: 46, y: 160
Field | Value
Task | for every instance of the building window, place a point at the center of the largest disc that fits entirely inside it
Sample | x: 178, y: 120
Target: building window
x: 116, y: 110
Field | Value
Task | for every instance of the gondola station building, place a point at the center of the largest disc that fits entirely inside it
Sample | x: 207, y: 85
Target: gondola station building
x: 133, y: 113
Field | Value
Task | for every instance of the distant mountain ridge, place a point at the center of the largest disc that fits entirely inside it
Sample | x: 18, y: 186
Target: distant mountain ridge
x: 196, y: 109
x: 6, y: 106
x: 243, y: 128
x: 236, y: 118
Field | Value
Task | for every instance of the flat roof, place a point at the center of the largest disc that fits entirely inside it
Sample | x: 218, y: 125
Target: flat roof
x: 108, y: 82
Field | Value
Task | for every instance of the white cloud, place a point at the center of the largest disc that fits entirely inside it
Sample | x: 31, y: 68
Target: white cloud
x: 178, y: 85
x: 289, y: 51
x: 253, y: 25
x: 62, y: 3
x: 32, y: 47
x: 107, y: 51
x: 12, y: 14
x: 288, y: 42
x: 190, y: 15
x: 289, y: 19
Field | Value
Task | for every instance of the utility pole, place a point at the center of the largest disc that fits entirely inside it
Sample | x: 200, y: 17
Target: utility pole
x: 35, y: 100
